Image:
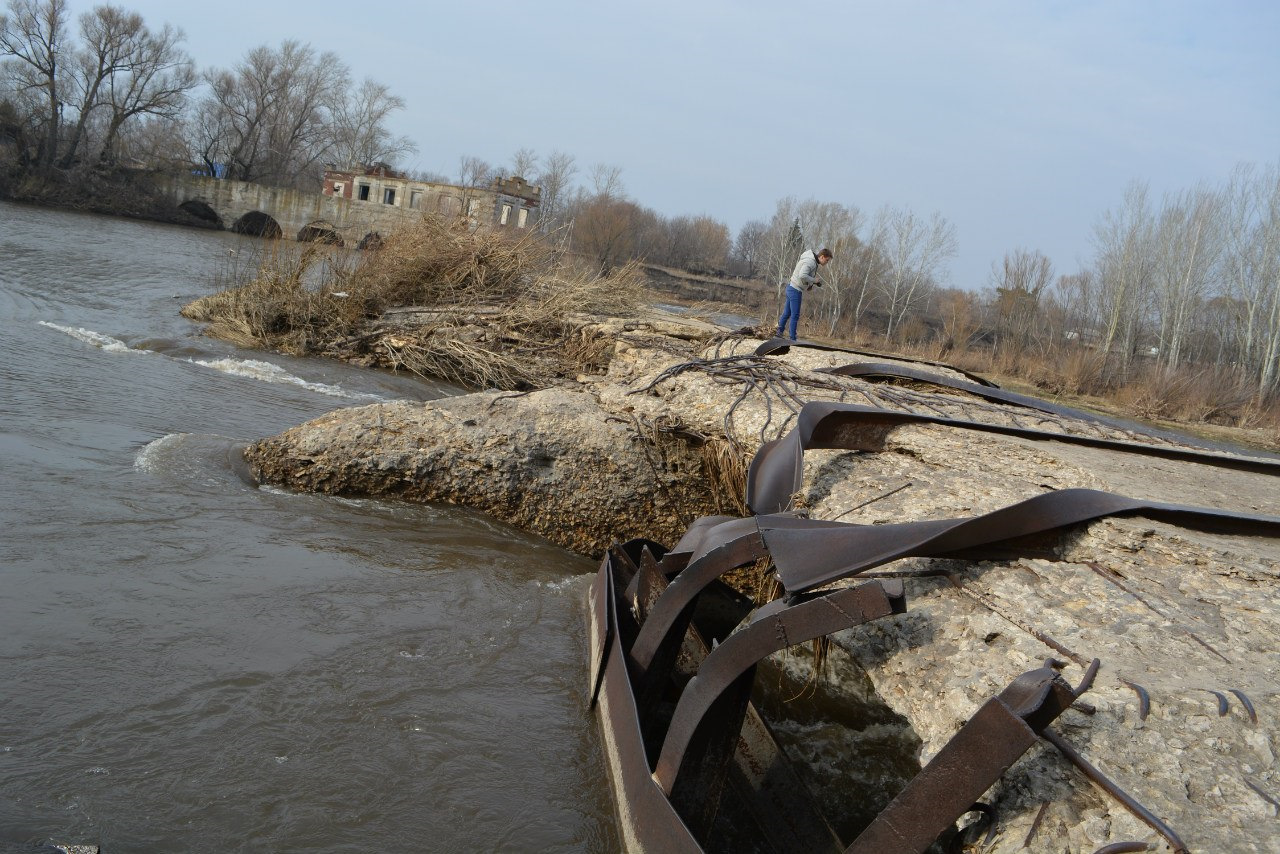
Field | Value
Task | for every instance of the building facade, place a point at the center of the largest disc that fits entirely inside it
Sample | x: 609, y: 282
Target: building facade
x: 507, y: 203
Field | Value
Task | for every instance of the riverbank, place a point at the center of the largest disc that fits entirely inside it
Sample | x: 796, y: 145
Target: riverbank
x: 121, y: 193
x: 660, y: 435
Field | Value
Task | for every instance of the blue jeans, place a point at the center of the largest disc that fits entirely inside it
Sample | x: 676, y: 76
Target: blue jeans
x: 792, y: 310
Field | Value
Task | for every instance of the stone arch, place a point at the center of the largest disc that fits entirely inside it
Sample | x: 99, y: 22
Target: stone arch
x: 372, y: 240
x: 202, y: 211
x: 320, y: 231
x: 257, y: 224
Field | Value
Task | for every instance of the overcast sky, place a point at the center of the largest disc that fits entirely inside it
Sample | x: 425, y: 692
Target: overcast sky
x: 1020, y: 121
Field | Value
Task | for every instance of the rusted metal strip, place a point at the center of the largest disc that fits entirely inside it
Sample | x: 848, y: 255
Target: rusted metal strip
x: 773, y: 799
x: 649, y: 584
x: 692, y: 541
x: 989, y: 392
x: 806, y: 559
x: 646, y: 818
x: 600, y: 626
x: 773, y: 627
x: 1262, y: 794
x: 993, y: 739
x: 728, y: 545
x: 657, y: 645
x: 780, y: 346
x: 776, y: 472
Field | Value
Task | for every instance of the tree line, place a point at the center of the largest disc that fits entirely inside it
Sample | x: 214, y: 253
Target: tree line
x: 107, y: 90
x: 1189, y: 282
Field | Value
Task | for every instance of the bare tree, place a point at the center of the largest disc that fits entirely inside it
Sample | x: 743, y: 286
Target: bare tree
x: 606, y: 181
x: 611, y: 230
x: 298, y: 134
x: 33, y: 33
x: 555, y: 178
x: 870, y: 266
x: 698, y: 243
x: 1252, y: 271
x: 1125, y: 242
x: 475, y: 172
x: 748, y: 247
x: 274, y: 112
x: 524, y: 163
x: 1076, y: 297
x: 1185, y: 266
x: 961, y: 319
x: 783, y: 243
x: 208, y: 131
x: 153, y: 81
x: 359, y: 126
x: 1019, y: 282
x: 108, y: 35
x: 915, y: 249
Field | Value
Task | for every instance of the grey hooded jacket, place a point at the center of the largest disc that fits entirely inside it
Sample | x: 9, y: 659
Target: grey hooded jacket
x: 805, y: 275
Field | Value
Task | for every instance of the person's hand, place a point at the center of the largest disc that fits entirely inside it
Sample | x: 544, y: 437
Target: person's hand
x: 819, y: 284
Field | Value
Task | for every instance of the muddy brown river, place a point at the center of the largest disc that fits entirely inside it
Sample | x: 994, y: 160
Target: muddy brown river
x: 192, y: 664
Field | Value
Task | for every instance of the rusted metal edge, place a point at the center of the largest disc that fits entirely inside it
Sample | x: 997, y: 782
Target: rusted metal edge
x: 776, y: 471
x: 780, y: 346
x: 808, y: 559
x: 646, y: 818
x: 986, y: 391
x: 772, y: 628
x: 759, y: 773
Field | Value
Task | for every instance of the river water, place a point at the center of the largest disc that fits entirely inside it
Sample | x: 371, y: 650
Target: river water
x: 189, y: 663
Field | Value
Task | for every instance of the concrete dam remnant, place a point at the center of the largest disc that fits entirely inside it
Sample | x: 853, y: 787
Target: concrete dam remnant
x: 356, y: 211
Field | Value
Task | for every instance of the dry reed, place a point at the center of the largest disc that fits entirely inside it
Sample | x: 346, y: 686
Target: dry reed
x: 473, y: 306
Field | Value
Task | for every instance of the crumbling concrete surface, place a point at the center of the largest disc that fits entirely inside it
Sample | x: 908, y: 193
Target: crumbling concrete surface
x: 1183, y: 715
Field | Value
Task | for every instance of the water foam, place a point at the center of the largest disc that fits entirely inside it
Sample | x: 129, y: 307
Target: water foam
x: 97, y: 339
x: 149, y: 458
x: 247, y: 368
x: 267, y: 372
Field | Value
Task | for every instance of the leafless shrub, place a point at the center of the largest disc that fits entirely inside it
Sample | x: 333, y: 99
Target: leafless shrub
x: 1205, y: 396
x: 439, y: 299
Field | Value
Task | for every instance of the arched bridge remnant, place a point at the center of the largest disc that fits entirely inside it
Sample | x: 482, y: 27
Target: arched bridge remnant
x: 257, y: 224
x: 337, y: 218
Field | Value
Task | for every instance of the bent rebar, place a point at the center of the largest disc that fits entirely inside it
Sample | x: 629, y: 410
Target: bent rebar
x: 997, y: 735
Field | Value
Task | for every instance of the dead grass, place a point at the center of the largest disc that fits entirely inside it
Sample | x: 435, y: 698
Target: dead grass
x: 1215, y: 403
x: 472, y: 306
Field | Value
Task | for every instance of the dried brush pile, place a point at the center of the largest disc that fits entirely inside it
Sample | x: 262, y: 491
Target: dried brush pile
x: 474, y: 307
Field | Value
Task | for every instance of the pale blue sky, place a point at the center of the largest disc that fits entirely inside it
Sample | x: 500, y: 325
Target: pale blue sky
x: 1021, y: 122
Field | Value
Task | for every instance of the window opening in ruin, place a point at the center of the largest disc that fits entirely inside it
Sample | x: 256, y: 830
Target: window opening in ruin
x: 388, y: 196
x: 522, y: 217
x: 415, y: 199
x: 339, y: 188
x: 364, y: 192
x: 506, y: 214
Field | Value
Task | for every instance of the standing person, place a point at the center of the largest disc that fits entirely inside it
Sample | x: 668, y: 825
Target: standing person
x: 803, y: 278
